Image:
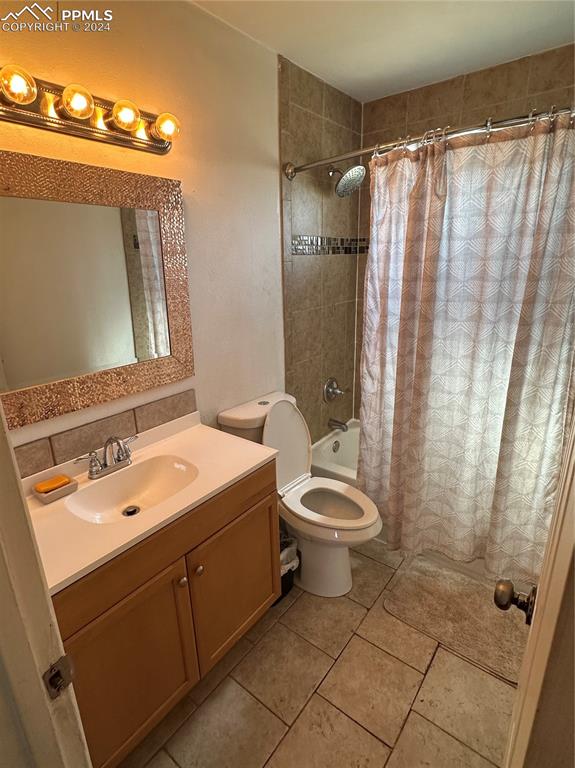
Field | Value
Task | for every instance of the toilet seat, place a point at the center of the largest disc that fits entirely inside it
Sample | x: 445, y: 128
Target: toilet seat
x: 312, y: 502
x: 295, y: 501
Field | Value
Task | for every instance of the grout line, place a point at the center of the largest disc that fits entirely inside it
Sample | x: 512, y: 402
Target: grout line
x: 393, y: 567
x: 307, y: 639
x: 315, y: 645
x: 323, y: 117
x: 446, y: 647
x: 478, y: 665
x: 314, y: 692
x: 349, y: 717
x: 333, y: 661
x: 393, y: 656
x: 487, y: 759
x: 272, y: 625
x: 173, y: 759
x: 415, y: 697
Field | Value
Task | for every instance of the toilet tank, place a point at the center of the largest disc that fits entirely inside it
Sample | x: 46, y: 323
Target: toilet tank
x: 247, y: 420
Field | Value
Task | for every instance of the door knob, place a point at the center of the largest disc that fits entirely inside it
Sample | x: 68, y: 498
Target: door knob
x: 199, y: 570
x: 183, y: 581
x: 505, y: 596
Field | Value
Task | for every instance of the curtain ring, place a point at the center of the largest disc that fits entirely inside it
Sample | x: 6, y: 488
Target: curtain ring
x: 552, y: 116
x: 444, y: 135
x: 376, y: 151
x: 532, y: 120
x: 404, y: 146
x: 488, y: 124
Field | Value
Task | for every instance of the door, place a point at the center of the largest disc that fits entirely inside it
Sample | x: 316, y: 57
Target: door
x: 536, y: 668
x: 234, y: 579
x: 41, y: 731
x: 133, y: 663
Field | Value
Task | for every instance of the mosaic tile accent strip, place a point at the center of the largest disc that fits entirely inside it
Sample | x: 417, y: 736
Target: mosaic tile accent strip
x: 312, y: 245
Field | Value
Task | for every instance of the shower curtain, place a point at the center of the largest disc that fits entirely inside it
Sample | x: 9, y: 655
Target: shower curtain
x: 468, y: 347
x: 154, y: 293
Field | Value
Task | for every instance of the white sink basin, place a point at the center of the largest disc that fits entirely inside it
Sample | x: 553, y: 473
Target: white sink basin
x: 143, y: 485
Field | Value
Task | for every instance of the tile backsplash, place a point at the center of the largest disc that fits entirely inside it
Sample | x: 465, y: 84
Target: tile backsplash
x: 45, y: 453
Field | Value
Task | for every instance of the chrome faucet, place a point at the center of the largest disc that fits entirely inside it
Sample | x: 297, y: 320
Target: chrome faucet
x: 337, y: 424
x: 111, y: 461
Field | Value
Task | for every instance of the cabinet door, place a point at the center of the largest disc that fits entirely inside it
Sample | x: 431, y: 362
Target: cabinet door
x: 133, y: 663
x: 234, y: 579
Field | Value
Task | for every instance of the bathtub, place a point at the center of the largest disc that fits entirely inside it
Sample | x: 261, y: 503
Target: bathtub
x: 335, y: 455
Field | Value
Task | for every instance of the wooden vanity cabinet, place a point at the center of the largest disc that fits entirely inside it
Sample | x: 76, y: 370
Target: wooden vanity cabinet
x: 142, y: 629
x: 233, y: 580
x: 134, y: 663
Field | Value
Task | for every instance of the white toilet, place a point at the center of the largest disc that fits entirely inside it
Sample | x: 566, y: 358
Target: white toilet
x: 326, y: 516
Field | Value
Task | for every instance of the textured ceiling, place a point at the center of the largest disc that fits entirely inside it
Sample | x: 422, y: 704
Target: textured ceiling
x: 375, y: 48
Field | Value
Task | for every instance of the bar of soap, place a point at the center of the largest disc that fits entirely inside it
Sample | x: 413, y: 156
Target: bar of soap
x: 52, y: 484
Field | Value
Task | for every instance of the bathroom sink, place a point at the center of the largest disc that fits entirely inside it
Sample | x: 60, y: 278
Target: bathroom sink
x: 133, y: 490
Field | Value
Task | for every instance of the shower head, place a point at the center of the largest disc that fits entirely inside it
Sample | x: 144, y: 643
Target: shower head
x: 349, y: 181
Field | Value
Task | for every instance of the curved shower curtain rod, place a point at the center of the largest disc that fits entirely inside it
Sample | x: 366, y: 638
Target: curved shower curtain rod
x: 488, y: 127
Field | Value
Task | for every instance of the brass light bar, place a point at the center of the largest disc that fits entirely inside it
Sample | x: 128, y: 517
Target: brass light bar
x: 74, y: 111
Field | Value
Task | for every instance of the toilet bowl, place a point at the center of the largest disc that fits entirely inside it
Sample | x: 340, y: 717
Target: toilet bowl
x: 325, y: 516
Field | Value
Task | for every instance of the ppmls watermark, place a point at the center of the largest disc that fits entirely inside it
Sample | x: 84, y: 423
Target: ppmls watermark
x: 38, y: 18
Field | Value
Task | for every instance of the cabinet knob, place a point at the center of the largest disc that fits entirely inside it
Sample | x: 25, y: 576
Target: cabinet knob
x: 199, y: 570
x: 183, y: 582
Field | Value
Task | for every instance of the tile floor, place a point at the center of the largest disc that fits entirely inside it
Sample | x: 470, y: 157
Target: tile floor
x: 337, y: 683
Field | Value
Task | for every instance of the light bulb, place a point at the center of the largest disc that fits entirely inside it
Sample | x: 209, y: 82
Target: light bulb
x: 166, y: 127
x: 17, y: 85
x: 125, y: 115
x: 77, y: 102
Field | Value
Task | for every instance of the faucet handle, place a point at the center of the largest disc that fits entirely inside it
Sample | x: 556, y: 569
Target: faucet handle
x: 95, y: 463
x: 123, y: 451
x: 331, y: 390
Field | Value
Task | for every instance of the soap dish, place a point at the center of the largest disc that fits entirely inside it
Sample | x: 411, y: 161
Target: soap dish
x: 58, y: 493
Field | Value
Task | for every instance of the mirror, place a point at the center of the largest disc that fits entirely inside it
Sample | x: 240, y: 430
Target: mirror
x: 81, y: 290
x: 94, y: 298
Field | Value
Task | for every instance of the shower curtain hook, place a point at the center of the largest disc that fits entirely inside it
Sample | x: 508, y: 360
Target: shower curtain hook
x: 552, y: 115
x: 404, y: 149
x: 488, y: 124
x: 376, y: 151
x: 444, y: 135
x: 532, y: 120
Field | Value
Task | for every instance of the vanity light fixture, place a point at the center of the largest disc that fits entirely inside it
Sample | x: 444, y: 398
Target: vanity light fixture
x: 125, y: 116
x: 166, y: 127
x: 76, y: 102
x: 17, y: 85
x: 75, y: 111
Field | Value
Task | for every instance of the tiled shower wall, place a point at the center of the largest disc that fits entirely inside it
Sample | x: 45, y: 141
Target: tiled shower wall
x: 320, y: 245
x: 507, y: 90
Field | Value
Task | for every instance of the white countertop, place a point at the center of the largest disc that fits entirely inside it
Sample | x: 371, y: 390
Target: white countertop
x: 70, y: 547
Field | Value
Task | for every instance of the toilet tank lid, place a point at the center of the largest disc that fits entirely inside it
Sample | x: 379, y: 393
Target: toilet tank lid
x: 253, y: 413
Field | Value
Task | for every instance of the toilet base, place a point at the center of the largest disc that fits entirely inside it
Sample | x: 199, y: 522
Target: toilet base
x: 324, y: 570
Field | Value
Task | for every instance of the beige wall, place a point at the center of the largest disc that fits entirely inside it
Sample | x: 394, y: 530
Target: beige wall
x: 223, y: 87
x: 66, y: 263
x: 319, y: 288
